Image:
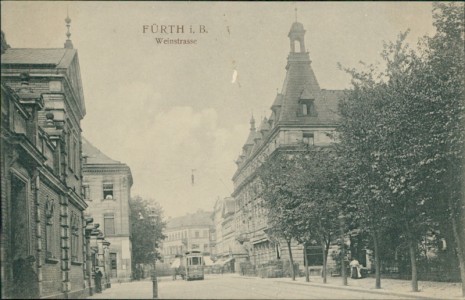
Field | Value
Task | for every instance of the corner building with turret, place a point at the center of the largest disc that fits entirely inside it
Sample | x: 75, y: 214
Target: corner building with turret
x: 302, y: 113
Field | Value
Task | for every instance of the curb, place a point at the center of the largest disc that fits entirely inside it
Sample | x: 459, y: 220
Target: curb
x: 353, y: 288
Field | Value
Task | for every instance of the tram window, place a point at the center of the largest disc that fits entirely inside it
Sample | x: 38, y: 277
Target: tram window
x: 195, y: 261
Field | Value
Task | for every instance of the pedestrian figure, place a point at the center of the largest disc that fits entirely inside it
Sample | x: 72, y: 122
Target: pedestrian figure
x: 355, y: 269
x: 98, y: 280
x: 25, y: 281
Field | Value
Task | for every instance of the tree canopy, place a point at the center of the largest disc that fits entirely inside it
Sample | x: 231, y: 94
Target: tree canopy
x: 147, y: 227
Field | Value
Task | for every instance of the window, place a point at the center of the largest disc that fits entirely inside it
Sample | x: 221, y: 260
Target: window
x: 205, y: 247
x: 75, y: 225
x: 70, y: 160
x: 307, y: 108
x: 109, y: 224
x: 54, y: 86
x: 114, y: 265
x: 304, y: 109
x: 197, y: 234
x: 196, y: 261
x: 308, y: 138
x: 108, y: 191
x: 195, y: 246
x: 75, y: 155
x: 49, y: 229
x: 86, y: 192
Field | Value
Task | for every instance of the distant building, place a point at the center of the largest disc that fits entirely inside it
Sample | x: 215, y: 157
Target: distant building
x: 107, y: 191
x: 302, y: 113
x: 41, y: 201
x: 189, y: 232
x: 227, y: 248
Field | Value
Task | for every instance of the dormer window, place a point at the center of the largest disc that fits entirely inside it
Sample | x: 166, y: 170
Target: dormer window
x: 307, y: 108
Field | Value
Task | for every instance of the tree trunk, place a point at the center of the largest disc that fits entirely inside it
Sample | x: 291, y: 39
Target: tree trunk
x: 291, y: 260
x: 307, y: 275
x: 460, y: 242
x: 377, y: 261
x: 413, y: 257
x: 413, y: 263
x: 323, y: 273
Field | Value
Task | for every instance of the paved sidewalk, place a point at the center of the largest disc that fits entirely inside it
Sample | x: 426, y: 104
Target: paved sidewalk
x: 428, y: 289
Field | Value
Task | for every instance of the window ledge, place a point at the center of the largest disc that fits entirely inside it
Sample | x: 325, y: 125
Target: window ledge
x: 77, y: 263
x: 51, y: 260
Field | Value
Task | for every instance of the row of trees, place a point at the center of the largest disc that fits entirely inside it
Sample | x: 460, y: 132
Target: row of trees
x: 399, y: 161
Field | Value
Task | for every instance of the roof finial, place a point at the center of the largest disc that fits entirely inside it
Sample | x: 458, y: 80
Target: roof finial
x: 295, y: 13
x: 252, y: 123
x: 68, y: 43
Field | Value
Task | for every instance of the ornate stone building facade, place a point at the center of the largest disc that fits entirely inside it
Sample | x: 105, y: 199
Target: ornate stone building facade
x: 42, y: 238
x: 185, y: 233
x: 227, y: 249
x: 301, y: 113
x: 107, y: 190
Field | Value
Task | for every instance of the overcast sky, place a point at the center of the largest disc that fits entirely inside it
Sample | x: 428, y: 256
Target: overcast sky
x: 167, y: 109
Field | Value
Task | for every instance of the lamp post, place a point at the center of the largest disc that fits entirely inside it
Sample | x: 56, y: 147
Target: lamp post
x: 343, y: 252
x: 153, y: 274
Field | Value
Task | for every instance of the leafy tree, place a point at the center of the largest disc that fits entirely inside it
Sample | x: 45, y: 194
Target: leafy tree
x: 147, y: 227
x: 360, y: 138
x: 443, y: 88
x: 278, y: 189
x: 318, y: 210
x: 300, y: 191
x: 404, y: 128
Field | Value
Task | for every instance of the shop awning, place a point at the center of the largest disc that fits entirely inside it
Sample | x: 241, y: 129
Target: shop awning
x: 228, y: 260
x: 176, y: 263
x: 222, y: 262
x: 208, y: 261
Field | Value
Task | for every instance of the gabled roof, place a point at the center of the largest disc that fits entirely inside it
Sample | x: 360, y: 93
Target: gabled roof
x: 200, y: 218
x: 264, y: 126
x: 94, y: 155
x: 55, y: 58
x: 62, y: 61
x: 307, y: 93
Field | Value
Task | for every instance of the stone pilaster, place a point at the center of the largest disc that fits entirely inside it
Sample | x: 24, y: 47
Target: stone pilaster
x: 65, y: 259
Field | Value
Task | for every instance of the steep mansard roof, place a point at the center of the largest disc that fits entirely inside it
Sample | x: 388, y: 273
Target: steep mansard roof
x: 299, y: 84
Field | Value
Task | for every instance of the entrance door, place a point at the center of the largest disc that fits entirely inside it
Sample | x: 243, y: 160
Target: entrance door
x: 19, y: 219
x: 19, y: 237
